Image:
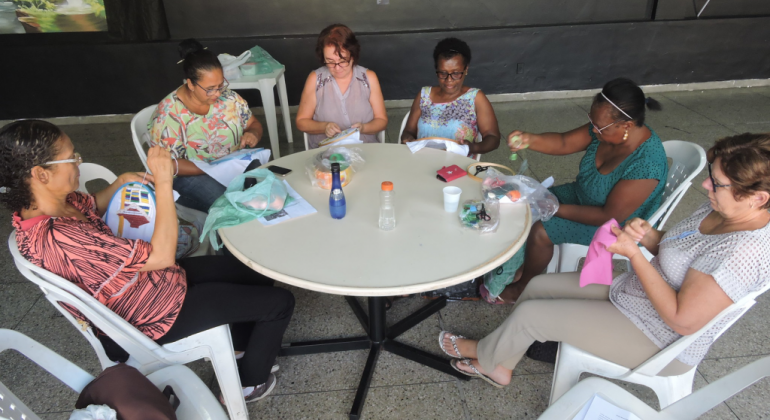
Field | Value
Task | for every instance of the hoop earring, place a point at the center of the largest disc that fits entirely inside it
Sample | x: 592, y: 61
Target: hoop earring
x: 625, y: 136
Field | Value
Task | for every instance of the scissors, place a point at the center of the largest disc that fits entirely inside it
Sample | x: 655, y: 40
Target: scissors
x: 480, y: 168
x: 482, y: 214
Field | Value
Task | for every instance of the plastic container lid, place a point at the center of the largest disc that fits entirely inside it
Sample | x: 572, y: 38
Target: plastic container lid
x: 387, y: 186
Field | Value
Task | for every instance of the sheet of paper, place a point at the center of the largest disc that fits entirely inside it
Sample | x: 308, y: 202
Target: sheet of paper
x: 225, y: 169
x: 600, y: 409
x: 349, y: 136
x: 436, y: 143
x: 297, y: 208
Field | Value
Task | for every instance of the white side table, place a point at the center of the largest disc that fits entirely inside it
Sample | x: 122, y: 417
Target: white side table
x: 265, y: 83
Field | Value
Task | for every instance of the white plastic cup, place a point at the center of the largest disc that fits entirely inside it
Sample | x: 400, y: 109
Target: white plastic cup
x: 451, y: 198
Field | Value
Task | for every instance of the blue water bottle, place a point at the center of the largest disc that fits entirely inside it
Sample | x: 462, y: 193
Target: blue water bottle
x: 337, y: 205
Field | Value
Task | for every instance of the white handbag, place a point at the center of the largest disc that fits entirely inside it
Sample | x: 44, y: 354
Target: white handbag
x: 230, y: 64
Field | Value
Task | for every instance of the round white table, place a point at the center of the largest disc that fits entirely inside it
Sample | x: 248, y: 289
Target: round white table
x: 428, y: 250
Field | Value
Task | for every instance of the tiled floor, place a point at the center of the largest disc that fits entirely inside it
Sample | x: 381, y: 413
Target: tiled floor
x: 323, y: 386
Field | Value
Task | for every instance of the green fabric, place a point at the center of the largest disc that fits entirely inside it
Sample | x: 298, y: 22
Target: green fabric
x: 592, y: 188
x: 265, y: 62
x: 228, y: 211
x: 496, y: 280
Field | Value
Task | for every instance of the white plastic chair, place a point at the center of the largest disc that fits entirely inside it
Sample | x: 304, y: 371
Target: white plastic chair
x: 91, y: 171
x: 689, y: 407
x: 146, y: 355
x: 572, y: 361
x: 380, y: 137
x: 403, y: 125
x: 196, y: 400
x: 140, y: 133
x: 687, y: 160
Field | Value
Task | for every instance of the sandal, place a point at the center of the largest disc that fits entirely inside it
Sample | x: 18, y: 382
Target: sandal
x: 475, y: 374
x: 484, y: 292
x: 452, y: 337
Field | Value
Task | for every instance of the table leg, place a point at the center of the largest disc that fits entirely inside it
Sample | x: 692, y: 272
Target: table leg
x: 268, y: 103
x: 283, y: 97
x: 379, y: 337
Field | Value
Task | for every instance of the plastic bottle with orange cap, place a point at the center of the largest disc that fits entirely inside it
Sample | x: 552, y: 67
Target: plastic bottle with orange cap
x: 387, y: 206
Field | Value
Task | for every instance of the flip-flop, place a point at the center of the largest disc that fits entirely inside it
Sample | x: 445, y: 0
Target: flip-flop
x: 484, y: 292
x: 475, y: 374
x: 452, y: 337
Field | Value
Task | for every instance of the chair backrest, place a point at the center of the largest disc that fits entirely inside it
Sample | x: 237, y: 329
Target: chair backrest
x: 687, y: 160
x: 380, y: 137
x: 58, y: 290
x: 70, y: 374
x: 140, y: 133
x: 655, y: 364
x: 92, y: 171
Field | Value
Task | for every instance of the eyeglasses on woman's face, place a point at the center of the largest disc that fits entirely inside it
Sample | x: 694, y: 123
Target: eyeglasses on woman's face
x: 603, y: 128
x: 457, y: 75
x: 77, y: 159
x: 714, y: 184
x: 215, y: 90
x: 341, y: 64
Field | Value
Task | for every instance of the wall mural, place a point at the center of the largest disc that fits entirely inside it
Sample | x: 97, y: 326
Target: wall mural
x: 44, y: 16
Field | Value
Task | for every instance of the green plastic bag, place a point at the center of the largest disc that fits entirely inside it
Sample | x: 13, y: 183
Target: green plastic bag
x: 268, y: 196
x: 496, y: 280
x: 265, y: 62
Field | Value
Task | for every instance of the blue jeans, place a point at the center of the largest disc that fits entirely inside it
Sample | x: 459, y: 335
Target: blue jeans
x: 198, y: 191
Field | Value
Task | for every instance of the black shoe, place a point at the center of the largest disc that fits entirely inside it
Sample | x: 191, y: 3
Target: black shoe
x: 543, y: 352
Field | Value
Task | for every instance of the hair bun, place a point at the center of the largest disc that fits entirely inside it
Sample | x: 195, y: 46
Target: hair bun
x: 652, y: 104
x: 189, y: 46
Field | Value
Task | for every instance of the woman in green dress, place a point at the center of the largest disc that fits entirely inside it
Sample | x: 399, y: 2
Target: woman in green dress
x: 622, y: 175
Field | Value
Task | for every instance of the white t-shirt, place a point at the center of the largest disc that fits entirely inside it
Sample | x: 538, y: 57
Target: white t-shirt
x: 738, y: 261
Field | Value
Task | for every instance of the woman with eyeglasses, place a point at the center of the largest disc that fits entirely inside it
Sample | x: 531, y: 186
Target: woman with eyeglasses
x: 621, y: 176
x: 202, y: 120
x: 340, y: 94
x: 701, y: 266
x: 62, y: 230
x: 451, y: 109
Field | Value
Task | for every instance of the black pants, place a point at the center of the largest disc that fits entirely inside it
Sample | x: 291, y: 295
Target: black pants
x: 222, y: 290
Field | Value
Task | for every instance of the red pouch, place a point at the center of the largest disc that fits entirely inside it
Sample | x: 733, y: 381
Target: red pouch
x: 450, y: 173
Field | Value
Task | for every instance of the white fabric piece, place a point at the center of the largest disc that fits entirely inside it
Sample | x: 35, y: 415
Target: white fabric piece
x: 349, y: 136
x: 225, y: 169
x: 94, y: 412
x: 436, y: 143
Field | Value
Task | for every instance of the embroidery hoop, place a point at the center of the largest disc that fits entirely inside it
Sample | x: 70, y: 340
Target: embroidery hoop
x: 472, y: 167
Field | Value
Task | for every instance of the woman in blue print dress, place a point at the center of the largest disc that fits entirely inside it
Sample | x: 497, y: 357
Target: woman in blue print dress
x: 451, y: 109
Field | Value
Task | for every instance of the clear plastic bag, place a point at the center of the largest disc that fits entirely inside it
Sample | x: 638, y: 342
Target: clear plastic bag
x: 481, y: 215
x: 507, y: 189
x: 319, y: 171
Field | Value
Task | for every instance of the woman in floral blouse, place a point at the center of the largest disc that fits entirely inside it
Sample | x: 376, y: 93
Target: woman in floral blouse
x: 451, y: 109
x: 202, y: 120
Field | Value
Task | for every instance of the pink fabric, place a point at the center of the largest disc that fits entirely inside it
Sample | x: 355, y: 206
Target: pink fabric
x: 598, y: 265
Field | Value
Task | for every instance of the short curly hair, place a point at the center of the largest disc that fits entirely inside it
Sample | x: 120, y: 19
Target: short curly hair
x: 24, y: 145
x: 450, y: 47
x: 341, y: 38
x: 745, y: 161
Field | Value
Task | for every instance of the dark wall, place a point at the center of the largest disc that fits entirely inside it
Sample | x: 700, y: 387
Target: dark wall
x: 82, y: 78
x: 209, y: 19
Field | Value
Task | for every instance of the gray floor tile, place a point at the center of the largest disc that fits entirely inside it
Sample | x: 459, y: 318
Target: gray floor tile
x: 752, y: 402
x: 526, y: 397
x: 725, y: 106
x: 16, y: 300
x: 38, y: 389
x: 333, y: 405
x: 539, y: 116
x: 96, y: 140
x: 753, y: 127
x: 749, y: 336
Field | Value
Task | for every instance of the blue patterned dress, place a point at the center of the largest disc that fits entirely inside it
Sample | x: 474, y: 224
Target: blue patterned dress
x: 452, y: 120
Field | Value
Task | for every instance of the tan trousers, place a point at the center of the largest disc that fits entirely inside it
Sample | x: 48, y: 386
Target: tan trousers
x: 554, y: 307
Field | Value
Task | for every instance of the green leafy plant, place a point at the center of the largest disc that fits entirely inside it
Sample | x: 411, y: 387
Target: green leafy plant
x: 35, y: 4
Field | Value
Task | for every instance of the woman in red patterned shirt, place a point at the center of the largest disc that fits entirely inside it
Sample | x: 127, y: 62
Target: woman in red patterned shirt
x: 61, y: 230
